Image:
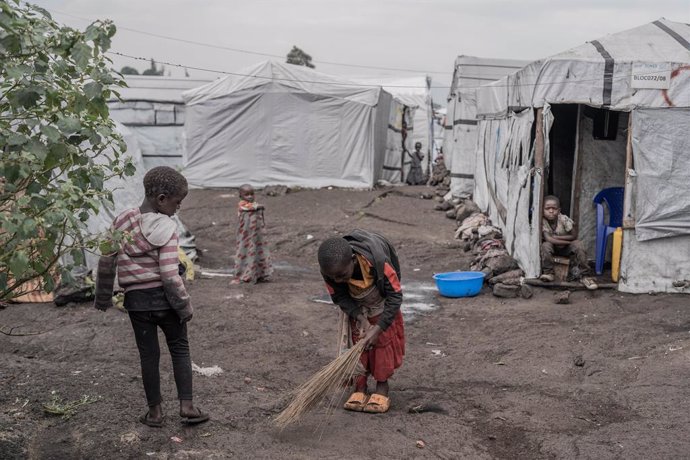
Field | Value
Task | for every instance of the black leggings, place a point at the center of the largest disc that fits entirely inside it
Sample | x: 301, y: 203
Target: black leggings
x: 145, y: 325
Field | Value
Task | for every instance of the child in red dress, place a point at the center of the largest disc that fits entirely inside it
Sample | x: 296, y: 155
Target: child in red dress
x: 252, y: 258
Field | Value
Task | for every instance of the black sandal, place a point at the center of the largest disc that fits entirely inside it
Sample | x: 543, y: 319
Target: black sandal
x: 148, y: 422
x: 201, y: 417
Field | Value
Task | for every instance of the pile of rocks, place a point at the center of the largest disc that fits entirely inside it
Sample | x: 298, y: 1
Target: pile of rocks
x: 485, y: 241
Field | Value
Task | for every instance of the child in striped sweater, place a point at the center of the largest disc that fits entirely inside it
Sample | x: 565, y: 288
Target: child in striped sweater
x: 155, y: 296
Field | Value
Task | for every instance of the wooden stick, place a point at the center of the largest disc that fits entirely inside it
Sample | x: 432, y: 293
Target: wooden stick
x: 628, y: 219
x: 572, y: 285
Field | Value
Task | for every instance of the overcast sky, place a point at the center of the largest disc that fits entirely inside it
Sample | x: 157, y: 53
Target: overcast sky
x: 421, y: 35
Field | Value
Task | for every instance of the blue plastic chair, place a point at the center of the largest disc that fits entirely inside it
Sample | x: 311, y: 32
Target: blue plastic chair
x: 613, y: 197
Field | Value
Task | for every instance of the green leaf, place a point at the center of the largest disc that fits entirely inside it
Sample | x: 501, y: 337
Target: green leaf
x: 16, y: 139
x: 93, y: 90
x: 68, y: 125
x: 81, y: 53
x: 77, y: 256
x: 17, y: 72
x: 37, y: 148
x: 55, y: 156
x: 25, y: 97
x: 96, y: 181
x: 108, y: 246
x: 19, y: 263
x: 92, y: 32
x: 28, y: 226
x: 130, y: 169
x: 51, y: 133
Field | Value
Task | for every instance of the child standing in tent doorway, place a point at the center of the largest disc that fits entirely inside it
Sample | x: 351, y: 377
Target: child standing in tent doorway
x: 416, y: 176
x: 146, y: 263
x: 252, y: 258
x: 560, y: 238
x: 362, y: 275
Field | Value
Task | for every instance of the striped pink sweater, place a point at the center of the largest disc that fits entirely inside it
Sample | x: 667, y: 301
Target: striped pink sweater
x: 147, y: 258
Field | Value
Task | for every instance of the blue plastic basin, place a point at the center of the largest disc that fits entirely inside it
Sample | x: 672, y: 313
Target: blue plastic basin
x: 459, y: 284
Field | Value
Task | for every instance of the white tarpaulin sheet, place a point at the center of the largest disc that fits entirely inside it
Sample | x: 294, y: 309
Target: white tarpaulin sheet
x: 460, y: 145
x: 506, y: 182
x: 661, y: 150
x: 414, y: 93
x: 295, y: 77
x: 153, y: 110
x: 600, y: 73
x: 290, y: 125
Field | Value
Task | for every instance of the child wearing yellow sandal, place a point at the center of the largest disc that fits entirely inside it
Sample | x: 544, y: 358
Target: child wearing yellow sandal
x: 362, y: 275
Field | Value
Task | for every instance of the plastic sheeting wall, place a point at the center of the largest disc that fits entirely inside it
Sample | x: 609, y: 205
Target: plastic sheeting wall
x: 160, y: 145
x: 312, y: 141
x: 653, y: 265
x: 158, y: 128
x: 460, y: 146
x: 464, y: 142
x: 506, y: 184
x: 602, y: 165
x: 661, y: 149
x: 393, y: 170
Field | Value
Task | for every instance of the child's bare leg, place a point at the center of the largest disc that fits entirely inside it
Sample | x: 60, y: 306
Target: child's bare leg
x: 155, y: 413
x: 361, y: 384
x: 382, y: 388
x: 187, y: 408
x: 190, y: 413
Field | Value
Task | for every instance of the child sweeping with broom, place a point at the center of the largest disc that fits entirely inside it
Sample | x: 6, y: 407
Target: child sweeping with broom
x: 362, y: 275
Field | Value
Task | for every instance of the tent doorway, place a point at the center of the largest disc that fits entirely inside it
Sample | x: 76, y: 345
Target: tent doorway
x: 563, y: 143
x: 587, y: 154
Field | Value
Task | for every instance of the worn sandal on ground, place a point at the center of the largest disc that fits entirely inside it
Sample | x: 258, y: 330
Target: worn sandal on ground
x: 377, y: 404
x: 589, y: 283
x: 148, y: 422
x: 356, y: 401
x: 547, y: 277
x: 200, y: 417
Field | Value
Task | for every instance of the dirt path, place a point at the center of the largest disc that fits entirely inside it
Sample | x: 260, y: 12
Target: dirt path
x: 604, y: 377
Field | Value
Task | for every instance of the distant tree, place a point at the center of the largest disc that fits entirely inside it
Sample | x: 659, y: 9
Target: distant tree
x: 126, y: 70
x: 154, y: 70
x: 298, y: 57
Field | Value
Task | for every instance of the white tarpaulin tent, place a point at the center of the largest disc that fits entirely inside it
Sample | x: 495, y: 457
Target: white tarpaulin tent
x: 619, y: 109
x: 460, y: 138
x: 277, y: 123
x: 153, y: 110
x: 413, y: 93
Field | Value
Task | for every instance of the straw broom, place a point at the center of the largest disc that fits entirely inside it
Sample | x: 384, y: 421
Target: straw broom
x: 327, y: 381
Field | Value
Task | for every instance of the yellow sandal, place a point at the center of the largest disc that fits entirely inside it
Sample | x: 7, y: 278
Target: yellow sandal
x: 357, y: 401
x: 377, y: 404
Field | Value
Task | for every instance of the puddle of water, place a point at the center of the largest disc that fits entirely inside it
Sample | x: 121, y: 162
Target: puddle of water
x: 281, y: 265
x: 418, y: 299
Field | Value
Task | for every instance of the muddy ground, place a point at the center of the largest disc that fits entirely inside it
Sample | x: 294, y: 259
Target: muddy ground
x: 604, y: 377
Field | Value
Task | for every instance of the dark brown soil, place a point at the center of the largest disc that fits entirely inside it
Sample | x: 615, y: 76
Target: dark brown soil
x: 606, y: 376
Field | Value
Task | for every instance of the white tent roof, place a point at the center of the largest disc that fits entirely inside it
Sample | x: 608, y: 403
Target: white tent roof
x: 157, y: 88
x: 297, y: 77
x: 599, y: 73
x: 411, y: 91
x: 470, y: 72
